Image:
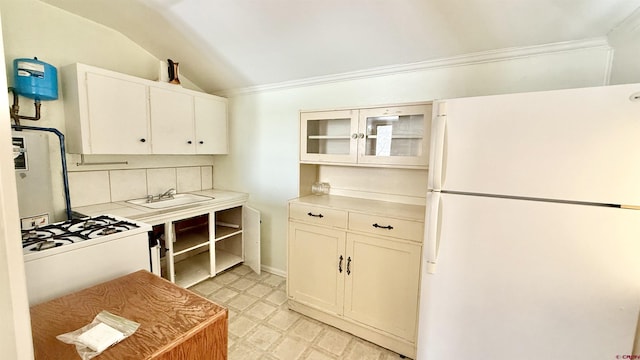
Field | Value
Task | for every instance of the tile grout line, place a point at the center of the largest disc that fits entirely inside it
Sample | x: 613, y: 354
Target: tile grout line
x: 244, y: 346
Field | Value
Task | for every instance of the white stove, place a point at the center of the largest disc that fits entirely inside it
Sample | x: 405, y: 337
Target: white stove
x: 67, y: 256
x: 77, y: 230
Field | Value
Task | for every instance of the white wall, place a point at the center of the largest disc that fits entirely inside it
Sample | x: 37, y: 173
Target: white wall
x: 624, y: 39
x: 263, y: 158
x: 15, y: 327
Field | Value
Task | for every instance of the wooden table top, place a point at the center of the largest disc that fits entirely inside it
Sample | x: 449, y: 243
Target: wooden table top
x: 167, y: 314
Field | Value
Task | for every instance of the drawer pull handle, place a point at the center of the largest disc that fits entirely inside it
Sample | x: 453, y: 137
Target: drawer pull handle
x: 315, y: 215
x: 340, y: 264
x: 349, y: 265
x: 388, y: 227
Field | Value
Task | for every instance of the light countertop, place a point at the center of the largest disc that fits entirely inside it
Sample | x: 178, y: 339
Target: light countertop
x: 366, y: 206
x: 220, y: 199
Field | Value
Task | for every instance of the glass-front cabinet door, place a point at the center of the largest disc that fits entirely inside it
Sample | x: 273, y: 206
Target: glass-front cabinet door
x: 329, y: 136
x: 395, y: 135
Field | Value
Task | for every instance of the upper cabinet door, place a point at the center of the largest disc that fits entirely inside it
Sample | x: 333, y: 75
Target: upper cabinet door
x: 395, y: 135
x: 210, y: 125
x: 329, y: 136
x: 386, y: 136
x: 172, y: 126
x: 118, y: 117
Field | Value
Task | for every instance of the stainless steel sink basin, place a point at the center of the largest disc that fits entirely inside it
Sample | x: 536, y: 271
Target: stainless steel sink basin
x: 178, y: 199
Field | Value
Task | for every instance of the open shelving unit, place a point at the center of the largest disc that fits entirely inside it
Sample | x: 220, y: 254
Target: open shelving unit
x: 201, y: 246
x: 229, y: 248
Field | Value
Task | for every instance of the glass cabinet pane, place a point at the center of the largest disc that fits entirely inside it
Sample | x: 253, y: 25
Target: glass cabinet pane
x: 329, y: 136
x: 394, y: 135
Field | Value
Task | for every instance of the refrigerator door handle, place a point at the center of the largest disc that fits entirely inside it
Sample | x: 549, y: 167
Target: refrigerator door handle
x: 437, y: 151
x: 432, y: 232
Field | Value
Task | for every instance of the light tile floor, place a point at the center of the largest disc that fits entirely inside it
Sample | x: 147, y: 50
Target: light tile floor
x: 262, y: 327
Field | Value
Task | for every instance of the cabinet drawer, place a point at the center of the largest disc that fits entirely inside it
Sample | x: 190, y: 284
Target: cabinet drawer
x: 318, y: 215
x: 380, y: 225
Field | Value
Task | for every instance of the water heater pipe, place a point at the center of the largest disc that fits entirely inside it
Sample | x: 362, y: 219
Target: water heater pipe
x: 15, y: 108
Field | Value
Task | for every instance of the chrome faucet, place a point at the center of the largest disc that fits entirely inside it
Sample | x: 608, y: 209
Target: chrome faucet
x: 167, y: 194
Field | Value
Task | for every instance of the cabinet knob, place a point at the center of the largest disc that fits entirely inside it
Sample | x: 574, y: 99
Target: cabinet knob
x: 201, y: 142
x: 143, y: 140
x: 354, y: 136
x: 189, y: 142
x: 349, y: 265
x: 361, y: 136
x: 340, y: 264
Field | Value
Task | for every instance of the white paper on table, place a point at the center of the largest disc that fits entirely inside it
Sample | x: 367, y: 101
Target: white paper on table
x: 383, y: 140
x: 100, y: 337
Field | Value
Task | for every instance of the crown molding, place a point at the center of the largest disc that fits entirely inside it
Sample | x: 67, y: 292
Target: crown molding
x: 462, y: 60
x: 628, y: 28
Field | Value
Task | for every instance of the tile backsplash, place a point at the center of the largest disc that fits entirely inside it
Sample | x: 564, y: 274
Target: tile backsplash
x: 103, y: 186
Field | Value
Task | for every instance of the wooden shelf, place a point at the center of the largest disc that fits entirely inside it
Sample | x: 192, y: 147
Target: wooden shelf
x: 190, y: 240
x: 225, y: 260
x: 223, y: 232
x: 193, y: 270
x: 200, y: 250
x: 329, y: 137
x: 407, y: 137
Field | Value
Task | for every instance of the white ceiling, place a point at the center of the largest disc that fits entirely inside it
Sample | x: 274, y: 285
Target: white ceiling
x: 225, y: 44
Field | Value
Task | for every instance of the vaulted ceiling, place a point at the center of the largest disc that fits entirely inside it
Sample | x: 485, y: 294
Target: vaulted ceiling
x: 226, y: 44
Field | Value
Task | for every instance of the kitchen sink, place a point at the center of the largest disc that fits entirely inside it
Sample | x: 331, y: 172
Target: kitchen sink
x: 177, y: 200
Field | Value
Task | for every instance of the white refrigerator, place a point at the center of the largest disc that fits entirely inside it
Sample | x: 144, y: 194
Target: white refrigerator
x: 532, y: 242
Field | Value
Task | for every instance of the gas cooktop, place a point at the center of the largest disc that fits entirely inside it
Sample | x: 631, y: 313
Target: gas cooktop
x: 73, y: 231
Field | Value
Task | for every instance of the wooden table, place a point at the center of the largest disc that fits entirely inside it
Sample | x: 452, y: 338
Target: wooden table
x: 174, y: 322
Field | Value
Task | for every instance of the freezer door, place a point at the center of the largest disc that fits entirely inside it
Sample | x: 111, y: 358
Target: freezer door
x: 536, y: 280
x: 578, y: 144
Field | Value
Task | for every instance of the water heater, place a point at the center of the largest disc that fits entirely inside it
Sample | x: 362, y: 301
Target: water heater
x: 35, y: 79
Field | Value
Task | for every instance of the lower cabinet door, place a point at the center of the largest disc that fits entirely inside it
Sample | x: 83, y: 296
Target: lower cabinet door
x: 381, y: 284
x: 316, y: 273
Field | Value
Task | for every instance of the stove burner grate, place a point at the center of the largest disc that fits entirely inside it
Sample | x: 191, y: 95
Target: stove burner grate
x: 58, y: 234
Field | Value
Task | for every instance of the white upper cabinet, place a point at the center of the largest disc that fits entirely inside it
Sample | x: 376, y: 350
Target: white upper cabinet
x: 326, y: 136
x: 391, y: 136
x: 105, y: 114
x: 113, y: 105
x: 395, y: 135
x: 112, y: 113
x: 172, y: 125
x: 210, y: 125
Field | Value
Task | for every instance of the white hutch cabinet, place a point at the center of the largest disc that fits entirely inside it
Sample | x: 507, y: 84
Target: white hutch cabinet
x: 354, y: 254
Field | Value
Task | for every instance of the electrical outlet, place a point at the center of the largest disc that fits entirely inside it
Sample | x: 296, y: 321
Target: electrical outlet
x: 30, y: 222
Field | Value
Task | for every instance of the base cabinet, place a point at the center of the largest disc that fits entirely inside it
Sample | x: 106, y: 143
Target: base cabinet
x: 315, y: 255
x: 199, y: 246
x: 381, y: 284
x: 356, y: 279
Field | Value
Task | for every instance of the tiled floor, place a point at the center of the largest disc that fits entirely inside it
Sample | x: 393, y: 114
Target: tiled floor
x: 262, y: 327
